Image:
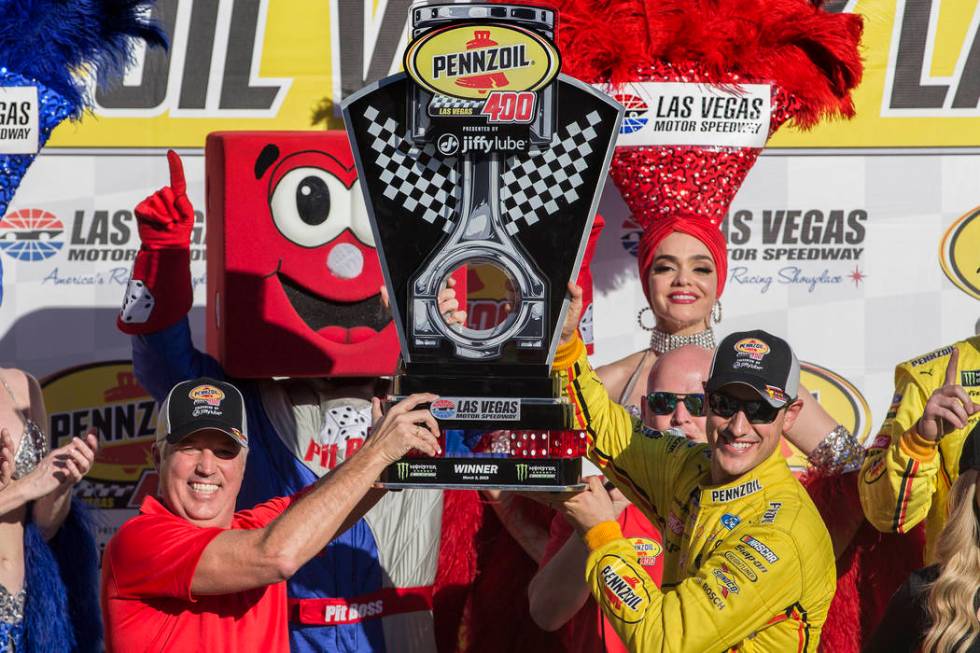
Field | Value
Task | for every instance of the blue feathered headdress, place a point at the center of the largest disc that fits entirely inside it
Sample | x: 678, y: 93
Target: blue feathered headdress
x: 55, y: 46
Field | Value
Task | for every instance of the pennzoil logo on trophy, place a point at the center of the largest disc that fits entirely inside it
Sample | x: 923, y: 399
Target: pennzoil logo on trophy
x: 498, y: 63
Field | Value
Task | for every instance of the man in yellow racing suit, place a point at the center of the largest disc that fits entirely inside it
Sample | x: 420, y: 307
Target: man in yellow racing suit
x: 913, y: 462
x: 748, y: 562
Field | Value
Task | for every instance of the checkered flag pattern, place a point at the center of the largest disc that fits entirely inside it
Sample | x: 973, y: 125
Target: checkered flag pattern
x: 422, y: 181
x: 531, y: 187
x: 448, y: 102
x: 89, y: 490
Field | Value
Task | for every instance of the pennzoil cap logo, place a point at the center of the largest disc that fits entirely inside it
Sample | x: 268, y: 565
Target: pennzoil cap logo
x: 753, y: 347
x: 469, y: 61
x: 208, y: 394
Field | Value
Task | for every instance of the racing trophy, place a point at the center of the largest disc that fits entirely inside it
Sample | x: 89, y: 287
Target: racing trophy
x: 483, y: 164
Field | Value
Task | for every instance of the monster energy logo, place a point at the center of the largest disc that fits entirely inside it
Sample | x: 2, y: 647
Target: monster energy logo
x: 521, y: 473
x: 970, y: 377
x: 402, y: 470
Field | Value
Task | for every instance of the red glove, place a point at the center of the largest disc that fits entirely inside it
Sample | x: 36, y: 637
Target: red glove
x: 165, y: 218
x: 159, y: 293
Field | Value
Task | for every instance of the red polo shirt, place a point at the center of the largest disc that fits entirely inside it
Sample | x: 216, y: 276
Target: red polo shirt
x: 146, y: 589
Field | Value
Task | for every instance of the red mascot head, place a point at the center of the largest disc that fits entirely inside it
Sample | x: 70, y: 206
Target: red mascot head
x: 293, y: 275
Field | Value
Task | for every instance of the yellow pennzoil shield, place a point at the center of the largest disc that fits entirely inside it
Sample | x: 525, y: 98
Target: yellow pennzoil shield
x: 471, y: 61
x: 623, y: 592
x: 958, y: 253
x: 105, y: 396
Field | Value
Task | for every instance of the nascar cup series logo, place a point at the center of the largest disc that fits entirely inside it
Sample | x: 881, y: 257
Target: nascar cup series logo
x: 470, y: 61
x: 958, y: 253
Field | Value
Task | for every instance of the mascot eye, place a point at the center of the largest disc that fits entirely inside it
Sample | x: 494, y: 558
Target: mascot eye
x: 310, y: 206
x: 313, y: 200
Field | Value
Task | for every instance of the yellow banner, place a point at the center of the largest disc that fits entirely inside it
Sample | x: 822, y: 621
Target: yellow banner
x: 258, y: 65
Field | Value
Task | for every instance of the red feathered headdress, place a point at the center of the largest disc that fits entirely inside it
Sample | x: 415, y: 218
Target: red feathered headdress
x: 809, y: 58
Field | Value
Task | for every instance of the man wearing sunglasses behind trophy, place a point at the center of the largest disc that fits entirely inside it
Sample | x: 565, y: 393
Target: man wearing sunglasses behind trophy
x: 752, y: 567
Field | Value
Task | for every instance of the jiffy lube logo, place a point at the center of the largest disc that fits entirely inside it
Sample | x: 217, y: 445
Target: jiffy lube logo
x: 958, y: 253
x: 469, y: 61
x: 752, y: 347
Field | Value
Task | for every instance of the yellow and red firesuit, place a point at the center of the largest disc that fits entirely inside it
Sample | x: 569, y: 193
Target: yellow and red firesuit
x: 905, y: 477
x: 748, y: 565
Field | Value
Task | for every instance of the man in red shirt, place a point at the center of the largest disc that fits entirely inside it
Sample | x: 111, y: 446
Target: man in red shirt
x: 189, y: 573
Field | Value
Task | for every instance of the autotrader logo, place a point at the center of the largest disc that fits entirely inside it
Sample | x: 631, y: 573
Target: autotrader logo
x: 31, y: 234
x: 521, y: 472
x: 402, y: 470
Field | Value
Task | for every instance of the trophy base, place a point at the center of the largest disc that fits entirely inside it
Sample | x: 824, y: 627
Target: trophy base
x: 504, y: 412
x: 524, y: 475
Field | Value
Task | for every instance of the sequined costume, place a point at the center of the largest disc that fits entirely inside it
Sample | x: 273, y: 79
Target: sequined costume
x: 38, y: 617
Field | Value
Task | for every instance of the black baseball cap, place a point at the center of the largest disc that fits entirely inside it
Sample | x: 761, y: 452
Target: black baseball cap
x: 760, y: 361
x: 970, y: 456
x: 201, y: 404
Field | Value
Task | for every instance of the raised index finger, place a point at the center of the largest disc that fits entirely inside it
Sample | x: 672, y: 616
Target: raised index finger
x: 951, y: 366
x: 177, y: 182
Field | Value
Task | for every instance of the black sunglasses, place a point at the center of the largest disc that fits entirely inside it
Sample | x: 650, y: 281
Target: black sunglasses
x: 757, y: 411
x: 664, y: 403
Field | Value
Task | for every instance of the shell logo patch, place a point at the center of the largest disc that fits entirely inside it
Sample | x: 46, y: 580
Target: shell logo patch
x: 753, y: 348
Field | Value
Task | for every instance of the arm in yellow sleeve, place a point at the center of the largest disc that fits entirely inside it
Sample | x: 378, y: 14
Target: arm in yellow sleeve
x: 898, y: 477
x: 643, y: 463
x: 737, y: 591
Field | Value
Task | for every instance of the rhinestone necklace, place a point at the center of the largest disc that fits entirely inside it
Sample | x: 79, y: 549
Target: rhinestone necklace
x: 661, y: 342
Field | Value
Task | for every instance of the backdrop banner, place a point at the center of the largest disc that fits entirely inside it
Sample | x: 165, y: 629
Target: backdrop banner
x: 856, y: 241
